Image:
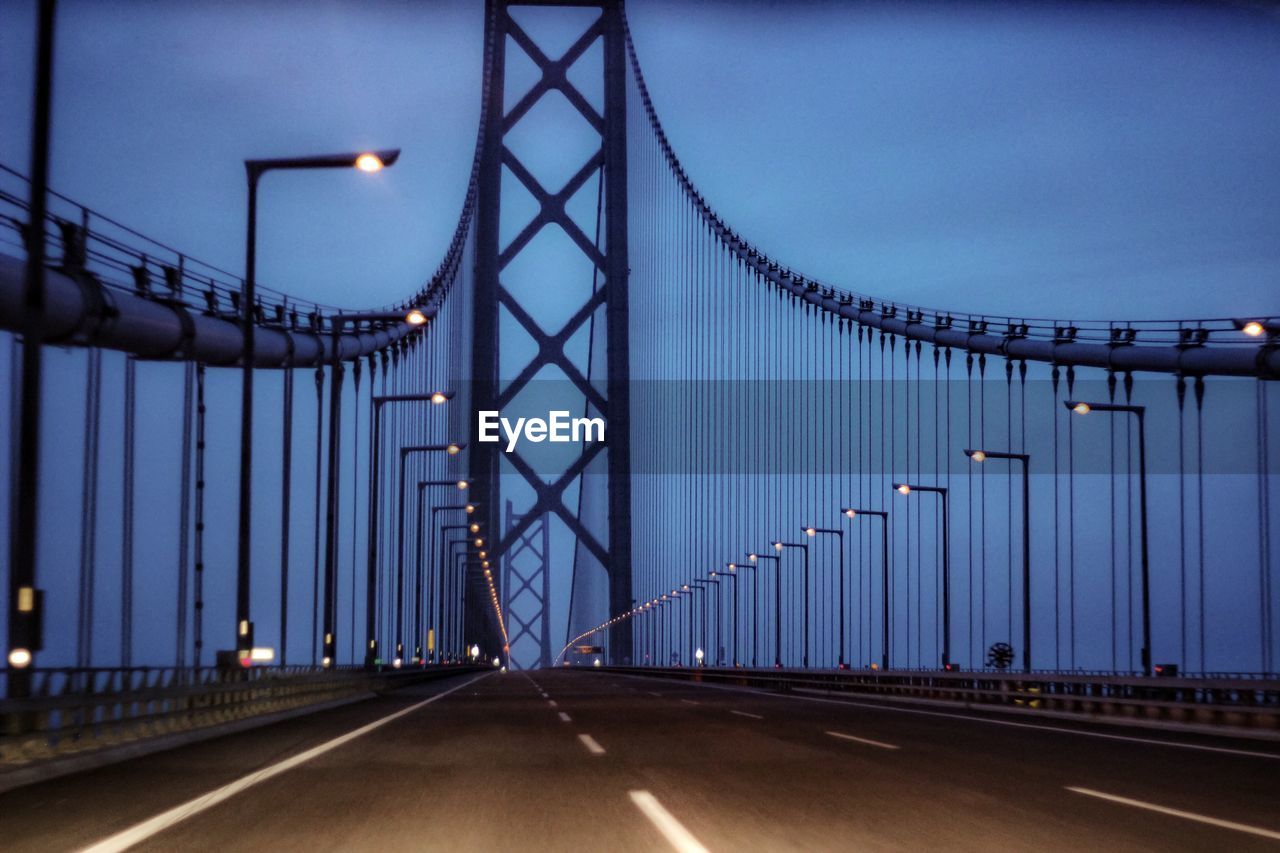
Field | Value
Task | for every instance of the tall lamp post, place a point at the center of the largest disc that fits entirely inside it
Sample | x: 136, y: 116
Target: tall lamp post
x: 832, y: 531
x: 941, y: 492
x: 413, y: 317
x: 778, y: 546
x: 706, y: 584
x: 366, y: 161
x: 730, y: 576
x: 673, y: 625
x: 884, y: 583
x: 453, y: 450
x: 695, y: 586
x: 431, y: 529
x: 755, y: 607
x: 1025, y: 459
x: 375, y: 481
x: 1139, y: 412
x: 777, y: 604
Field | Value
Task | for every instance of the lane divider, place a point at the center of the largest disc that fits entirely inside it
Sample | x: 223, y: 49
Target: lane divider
x: 864, y: 740
x: 680, y: 839
x: 590, y: 743
x: 746, y: 714
x: 564, y: 718
x: 1198, y: 818
x: 142, y: 831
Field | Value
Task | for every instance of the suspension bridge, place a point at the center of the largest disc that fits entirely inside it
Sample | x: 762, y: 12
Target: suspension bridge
x: 836, y: 571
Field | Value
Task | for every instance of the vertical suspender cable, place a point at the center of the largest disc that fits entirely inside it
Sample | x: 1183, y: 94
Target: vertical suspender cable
x: 184, y: 514
x: 286, y: 491
x: 89, y: 509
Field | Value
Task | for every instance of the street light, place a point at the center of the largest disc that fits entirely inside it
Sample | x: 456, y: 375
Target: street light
x: 1025, y: 459
x: 941, y: 492
x: 694, y: 586
x: 1140, y: 412
x: 778, y: 546
x: 811, y: 531
x: 732, y: 577
x: 777, y: 604
x: 417, y: 317
x: 755, y: 609
x: 413, y: 316
x: 705, y: 583
x: 452, y: 449
x: 254, y: 170
x: 850, y: 512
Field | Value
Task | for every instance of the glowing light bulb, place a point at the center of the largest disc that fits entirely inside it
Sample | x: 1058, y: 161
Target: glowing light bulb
x: 369, y: 163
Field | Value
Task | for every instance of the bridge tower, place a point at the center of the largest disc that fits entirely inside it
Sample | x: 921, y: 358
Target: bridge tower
x: 512, y: 346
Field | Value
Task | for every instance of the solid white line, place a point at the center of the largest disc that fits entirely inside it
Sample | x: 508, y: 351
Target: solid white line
x: 867, y: 741
x: 142, y: 831
x: 745, y: 714
x: 680, y: 838
x: 564, y: 718
x: 590, y: 743
x: 989, y: 721
x: 1199, y: 818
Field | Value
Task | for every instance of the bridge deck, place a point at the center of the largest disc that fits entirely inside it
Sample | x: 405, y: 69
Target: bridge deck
x: 491, y: 764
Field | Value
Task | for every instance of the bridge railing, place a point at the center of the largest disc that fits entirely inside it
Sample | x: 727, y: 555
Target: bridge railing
x: 1244, y: 705
x: 73, y: 710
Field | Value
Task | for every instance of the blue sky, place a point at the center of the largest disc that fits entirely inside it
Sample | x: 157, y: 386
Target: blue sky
x: 1040, y: 159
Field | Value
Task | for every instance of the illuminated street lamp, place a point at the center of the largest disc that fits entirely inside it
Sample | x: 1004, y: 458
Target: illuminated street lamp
x: 254, y: 170
x: 941, y: 492
x: 451, y: 449
x: 777, y: 604
x: 850, y: 512
x: 811, y: 531
x: 375, y: 491
x: 730, y: 576
x: 413, y: 317
x: 694, y: 586
x: 1025, y: 459
x: 705, y: 584
x: 1139, y: 412
x: 755, y: 607
x: 778, y: 546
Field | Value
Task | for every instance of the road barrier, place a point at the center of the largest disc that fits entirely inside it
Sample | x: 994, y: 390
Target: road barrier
x: 78, y: 711
x: 1241, y: 706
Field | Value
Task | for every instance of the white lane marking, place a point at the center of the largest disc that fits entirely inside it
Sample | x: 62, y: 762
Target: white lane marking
x: 746, y: 714
x: 1010, y: 723
x: 551, y: 702
x: 1199, y: 818
x: 867, y: 741
x: 673, y: 830
x: 590, y: 743
x: 564, y: 718
x: 690, y: 702
x: 142, y: 831
x: 653, y: 693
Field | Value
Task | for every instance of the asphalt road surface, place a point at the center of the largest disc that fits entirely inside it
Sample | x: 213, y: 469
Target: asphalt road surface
x: 592, y: 761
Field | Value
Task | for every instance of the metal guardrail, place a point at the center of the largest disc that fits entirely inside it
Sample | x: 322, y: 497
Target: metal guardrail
x: 74, y: 711
x: 1238, y: 704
